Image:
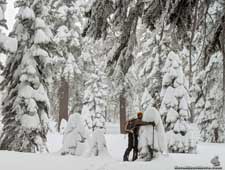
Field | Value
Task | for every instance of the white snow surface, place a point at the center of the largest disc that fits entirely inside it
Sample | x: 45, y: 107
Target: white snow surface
x: 116, y: 144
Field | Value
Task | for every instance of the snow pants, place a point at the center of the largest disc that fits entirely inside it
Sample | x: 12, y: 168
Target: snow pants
x: 132, y: 144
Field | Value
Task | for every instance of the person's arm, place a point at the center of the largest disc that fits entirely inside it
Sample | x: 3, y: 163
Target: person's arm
x: 143, y: 123
x: 128, y: 130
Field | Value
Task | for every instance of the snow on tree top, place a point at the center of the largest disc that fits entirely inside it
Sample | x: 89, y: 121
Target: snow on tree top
x: 62, y: 11
x: 39, y: 94
x: 172, y: 115
x: 151, y: 114
x: 73, y: 122
x: 26, y: 13
x: 172, y: 60
x: 29, y: 70
x: 30, y: 121
x: 39, y: 52
x: 62, y: 34
x: 39, y: 23
x: 27, y: 60
x: 169, y: 99
x: 181, y: 125
x: 41, y: 37
x: 180, y: 92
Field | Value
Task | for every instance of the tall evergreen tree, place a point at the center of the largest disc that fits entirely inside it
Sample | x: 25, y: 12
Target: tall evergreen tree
x: 207, y: 89
x: 94, y: 109
x: 124, y: 15
x: 26, y: 104
x: 66, y: 22
x: 175, y: 106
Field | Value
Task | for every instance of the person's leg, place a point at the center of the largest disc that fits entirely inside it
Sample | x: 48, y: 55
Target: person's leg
x: 129, y: 148
x: 135, y: 154
x: 135, y: 145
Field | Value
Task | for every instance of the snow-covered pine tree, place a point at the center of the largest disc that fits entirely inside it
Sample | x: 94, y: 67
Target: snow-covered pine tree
x: 98, y: 145
x: 94, y: 102
x: 150, y: 56
x: 66, y: 22
x: 208, y: 87
x: 148, y: 66
x: 26, y: 104
x: 65, y: 90
x: 207, y: 82
x: 124, y: 15
x: 94, y: 55
x: 175, y: 106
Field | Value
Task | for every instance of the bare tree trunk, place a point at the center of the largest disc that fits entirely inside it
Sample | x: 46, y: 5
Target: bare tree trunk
x: 190, y: 56
x: 122, y: 111
x: 191, y: 40
x: 63, y: 100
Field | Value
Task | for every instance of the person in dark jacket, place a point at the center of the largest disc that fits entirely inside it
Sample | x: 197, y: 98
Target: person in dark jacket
x: 132, y: 128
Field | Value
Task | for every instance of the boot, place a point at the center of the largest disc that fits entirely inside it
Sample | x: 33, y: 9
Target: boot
x: 135, y: 156
x: 125, y: 157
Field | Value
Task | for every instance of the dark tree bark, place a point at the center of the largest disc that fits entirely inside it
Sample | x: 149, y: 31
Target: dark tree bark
x: 122, y: 111
x: 63, y: 100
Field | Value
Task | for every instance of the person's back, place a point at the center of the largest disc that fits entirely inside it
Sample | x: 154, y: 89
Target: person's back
x: 130, y: 129
x: 130, y: 125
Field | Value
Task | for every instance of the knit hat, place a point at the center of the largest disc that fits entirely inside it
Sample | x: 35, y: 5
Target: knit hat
x: 140, y: 113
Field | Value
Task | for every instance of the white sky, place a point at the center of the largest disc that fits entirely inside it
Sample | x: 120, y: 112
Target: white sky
x: 10, y: 17
x: 10, y: 14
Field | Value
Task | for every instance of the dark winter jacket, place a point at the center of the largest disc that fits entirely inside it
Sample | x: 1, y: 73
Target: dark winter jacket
x: 132, y: 126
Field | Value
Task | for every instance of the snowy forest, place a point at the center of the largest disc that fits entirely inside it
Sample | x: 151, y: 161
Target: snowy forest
x: 74, y: 72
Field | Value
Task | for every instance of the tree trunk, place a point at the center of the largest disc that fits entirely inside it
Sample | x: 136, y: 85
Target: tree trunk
x: 63, y: 101
x: 190, y: 58
x: 122, y: 111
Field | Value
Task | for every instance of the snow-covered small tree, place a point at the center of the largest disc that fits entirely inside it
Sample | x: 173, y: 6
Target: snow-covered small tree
x: 26, y: 104
x: 74, y: 136
x: 94, y: 102
x: 175, y: 105
x: 98, y: 145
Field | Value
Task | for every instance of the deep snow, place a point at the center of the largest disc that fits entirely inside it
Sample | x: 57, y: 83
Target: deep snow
x: 116, y: 145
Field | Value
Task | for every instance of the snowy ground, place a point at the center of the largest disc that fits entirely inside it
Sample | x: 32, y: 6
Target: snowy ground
x: 116, y: 145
